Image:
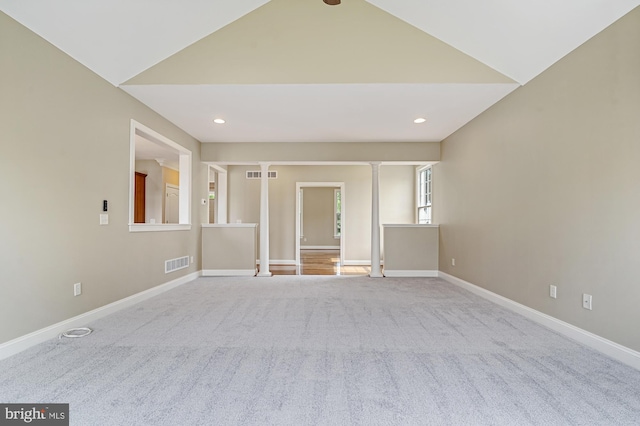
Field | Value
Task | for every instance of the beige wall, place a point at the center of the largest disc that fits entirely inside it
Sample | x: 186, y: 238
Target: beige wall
x: 229, y: 248
x: 414, y: 152
x: 396, y: 202
x: 543, y: 189
x: 410, y: 248
x: 317, y: 217
x: 171, y: 176
x: 255, y: 50
x: 62, y: 121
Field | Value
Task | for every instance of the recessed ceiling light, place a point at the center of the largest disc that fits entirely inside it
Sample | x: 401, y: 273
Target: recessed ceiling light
x: 419, y: 120
x: 218, y: 121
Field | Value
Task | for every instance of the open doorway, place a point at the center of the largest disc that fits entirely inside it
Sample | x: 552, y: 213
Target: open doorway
x: 217, y: 181
x: 320, y: 223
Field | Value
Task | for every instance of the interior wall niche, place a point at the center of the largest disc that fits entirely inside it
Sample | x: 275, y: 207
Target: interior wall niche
x: 163, y: 167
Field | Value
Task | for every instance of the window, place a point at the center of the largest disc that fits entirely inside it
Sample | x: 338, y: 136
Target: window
x: 424, y: 195
x: 160, y: 182
x: 337, y: 213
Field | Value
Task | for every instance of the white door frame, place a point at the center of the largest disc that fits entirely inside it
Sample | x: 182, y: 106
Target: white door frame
x: 299, y: 186
x: 167, y: 187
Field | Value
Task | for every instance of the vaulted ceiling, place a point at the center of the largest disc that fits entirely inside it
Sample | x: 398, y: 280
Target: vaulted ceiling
x: 300, y: 70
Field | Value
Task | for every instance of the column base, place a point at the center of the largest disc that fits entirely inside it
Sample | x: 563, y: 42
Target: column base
x: 264, y: 274
x: 376, y: 275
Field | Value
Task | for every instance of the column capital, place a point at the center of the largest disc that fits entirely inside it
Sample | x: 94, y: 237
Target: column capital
x: 264, y: 165
x: 375, y: 163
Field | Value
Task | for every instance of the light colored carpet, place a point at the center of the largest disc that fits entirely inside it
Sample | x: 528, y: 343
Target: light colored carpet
x: 305, y: 350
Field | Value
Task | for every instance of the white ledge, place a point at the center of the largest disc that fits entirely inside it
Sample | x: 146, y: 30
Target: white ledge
x: 149, y: 227
x: 410, y: 225
x: 229, y: 225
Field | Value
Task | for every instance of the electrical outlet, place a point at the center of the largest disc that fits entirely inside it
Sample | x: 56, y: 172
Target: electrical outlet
x: 77, y: 289
x: 553, y: 291
x: 587, y: 301
x: 191, y: 259
x: 453, y: 262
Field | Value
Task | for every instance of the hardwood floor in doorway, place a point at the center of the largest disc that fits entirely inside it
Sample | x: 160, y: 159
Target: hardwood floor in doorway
x: 319, y: 262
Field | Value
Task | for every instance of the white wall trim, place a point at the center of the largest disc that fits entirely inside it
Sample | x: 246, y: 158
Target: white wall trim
x: 614, y: 350
x: 319, y: 247
x: 229, y: 272
x: 298, y: 230
x: 229, y: 225
x: 22, y: 343
x: 283, y: 262
x: 148, y: 227
x: 410, y: 273
x: 279, y: 262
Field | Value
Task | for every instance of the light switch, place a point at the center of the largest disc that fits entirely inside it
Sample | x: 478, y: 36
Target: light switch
x: 104, y: 219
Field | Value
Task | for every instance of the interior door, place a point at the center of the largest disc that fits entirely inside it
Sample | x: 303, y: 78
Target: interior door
x: 139, y: 198
x: 172, y: 204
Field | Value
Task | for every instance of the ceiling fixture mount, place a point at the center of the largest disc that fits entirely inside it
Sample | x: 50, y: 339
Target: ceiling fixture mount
x: 219, y: 121
x: 332, y: 2
x: 419, y: 120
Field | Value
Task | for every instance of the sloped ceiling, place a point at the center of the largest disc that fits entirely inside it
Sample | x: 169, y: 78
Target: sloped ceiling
x: 299, y: 70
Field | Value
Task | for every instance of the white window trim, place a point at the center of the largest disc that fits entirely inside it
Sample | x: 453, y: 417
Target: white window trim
x: 418, y: 183
x: 335, y: 214
x: 184, y: 181
x: 301, y: 201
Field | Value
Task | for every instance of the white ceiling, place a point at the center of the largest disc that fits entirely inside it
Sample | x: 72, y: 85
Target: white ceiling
x: 164, y: 155
x: 520, y: 39
x: 118, y: 39
x: 320, y: 112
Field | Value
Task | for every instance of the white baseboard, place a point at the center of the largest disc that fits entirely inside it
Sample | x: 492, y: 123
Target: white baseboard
x: 614, y: 350
x: 229, y: 272
x: 319, y: 247
x: 409, y: 273
x: 21, y: 343
x: 282, y: 262
x: 279, y: 262
x: 357, y: 263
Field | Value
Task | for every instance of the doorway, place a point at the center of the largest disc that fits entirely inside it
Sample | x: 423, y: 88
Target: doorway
x: 336, y: 204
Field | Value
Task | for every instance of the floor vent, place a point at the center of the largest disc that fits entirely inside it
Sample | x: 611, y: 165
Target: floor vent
x: 257, y: 174
x: 175, y: 264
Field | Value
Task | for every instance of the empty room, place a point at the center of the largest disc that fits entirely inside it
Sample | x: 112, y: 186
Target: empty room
x: 323, y: 212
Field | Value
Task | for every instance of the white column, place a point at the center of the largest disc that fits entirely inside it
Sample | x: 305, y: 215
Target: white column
x: 221, y: 197
x: 375, y: 221
x: 264, y: 221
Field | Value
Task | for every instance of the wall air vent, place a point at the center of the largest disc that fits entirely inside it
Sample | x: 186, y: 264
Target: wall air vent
x: 176, y: 264
x: 257, y: 174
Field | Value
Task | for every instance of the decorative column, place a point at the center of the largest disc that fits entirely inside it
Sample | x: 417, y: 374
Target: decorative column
x: 264, y: 221
x: 221, y: 197
x: 375, y: 221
